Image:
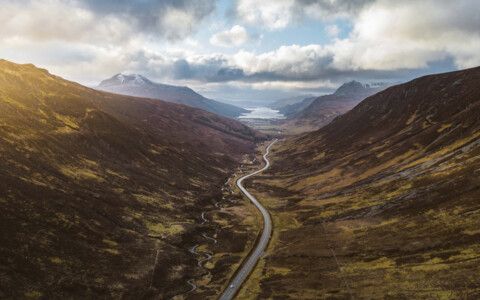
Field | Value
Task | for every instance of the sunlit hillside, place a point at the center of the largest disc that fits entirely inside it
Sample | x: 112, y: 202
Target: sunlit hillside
x: 94, y: 184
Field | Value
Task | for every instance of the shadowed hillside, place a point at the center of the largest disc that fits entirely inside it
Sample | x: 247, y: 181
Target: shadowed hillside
x: 312, y: 114
x: 391, y: 189
x: 281, y: 104
x: 100, y: 192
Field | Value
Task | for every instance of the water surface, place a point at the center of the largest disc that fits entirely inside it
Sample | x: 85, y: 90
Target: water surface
x: 261, y: 113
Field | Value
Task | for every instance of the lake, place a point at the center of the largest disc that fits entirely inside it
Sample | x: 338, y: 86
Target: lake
x: 261, y: 113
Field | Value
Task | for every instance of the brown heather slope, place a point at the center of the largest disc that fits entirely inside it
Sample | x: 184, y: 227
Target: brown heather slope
x: 93, y: 185
x: 326, y: 108
x: 393, y: 187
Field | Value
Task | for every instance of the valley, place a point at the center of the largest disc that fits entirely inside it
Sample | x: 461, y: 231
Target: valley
x: 255, y: 254
x: 89, y: 176
x: 388, y: 211
x: 249, y: 150
x: 301, y: 114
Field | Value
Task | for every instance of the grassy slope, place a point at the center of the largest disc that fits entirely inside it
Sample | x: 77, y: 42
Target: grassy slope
x: 392, y: 187
x: 93, y: 184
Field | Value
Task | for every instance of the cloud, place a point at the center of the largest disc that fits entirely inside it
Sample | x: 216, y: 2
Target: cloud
x: 106, y: 21
x: 332, y: 30
x: 89, y: 40
x: 272, y: 14
x: 329, y: 9
x: 278, y: 14
x: 389, y: 39
x: 170, y: 19
x: 46, y: 20
x: 234, y: 37
x: 288, y: 62
x: 391, y: 35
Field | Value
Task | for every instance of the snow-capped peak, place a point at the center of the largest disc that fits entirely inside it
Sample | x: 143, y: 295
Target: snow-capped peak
x: 129, y: 80
x: 121, y: 78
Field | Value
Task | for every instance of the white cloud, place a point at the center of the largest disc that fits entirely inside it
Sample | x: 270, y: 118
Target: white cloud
x: 390, y: 35
x: 387, y: 36
x: 102, y: 22
x: 288, y: 61
x: 47, y: 20
x: 332, y: 30
x: 278, y: 14
x: 272, y: 14
x: 234, y: 37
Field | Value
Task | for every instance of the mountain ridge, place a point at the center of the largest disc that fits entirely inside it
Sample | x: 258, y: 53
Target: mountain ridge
x: 140, y: 86
x: 388, y: 191
x: 284, y: 102
x: 96, y: 186
x: 316, y: 112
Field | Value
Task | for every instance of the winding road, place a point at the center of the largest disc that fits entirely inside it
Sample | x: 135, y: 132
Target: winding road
x: 246, y: 268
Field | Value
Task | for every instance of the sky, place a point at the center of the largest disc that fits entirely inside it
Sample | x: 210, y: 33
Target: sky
x: 243, y: 50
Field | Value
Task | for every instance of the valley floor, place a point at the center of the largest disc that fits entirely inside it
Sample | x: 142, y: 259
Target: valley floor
x: 352, y: 233
x: 381, y: 203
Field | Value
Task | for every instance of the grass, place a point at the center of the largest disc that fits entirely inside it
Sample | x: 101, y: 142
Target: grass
x: 110, y: 242
x: 56, y: 260
x: 154, y: 200
x: 81, y: 173
x: 112, y: 251
x: 405, y: 252
x: 33, y: 294
x: 160, y: 228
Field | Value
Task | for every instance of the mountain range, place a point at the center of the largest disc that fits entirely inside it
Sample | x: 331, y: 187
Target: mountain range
x: 294, y: 108
x: 313, y: 113
x: 110, y: 196
x: 381, y: 203
x: 281, y: 103
x: 140, y: 86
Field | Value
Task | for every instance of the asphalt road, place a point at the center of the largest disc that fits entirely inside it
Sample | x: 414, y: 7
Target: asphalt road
x: 242, y: 273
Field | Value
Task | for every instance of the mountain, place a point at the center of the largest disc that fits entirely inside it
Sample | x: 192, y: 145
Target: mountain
x: 140, y: 86
x: 292, y: 109
x: 101, y: 194
x: 281, y: 103
x: 318, y: 112
x: 384, y: 198
x: 353, y: 88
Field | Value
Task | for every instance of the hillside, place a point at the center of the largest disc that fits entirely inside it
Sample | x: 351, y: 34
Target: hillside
x: 101, y: 194
x: 292, y: 109
x: 138, y: 85
x: 313, y: 114
x: 282, y: 103
x: 384, y: 198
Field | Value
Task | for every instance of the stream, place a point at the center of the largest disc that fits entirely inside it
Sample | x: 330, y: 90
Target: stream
x: 208, y: 256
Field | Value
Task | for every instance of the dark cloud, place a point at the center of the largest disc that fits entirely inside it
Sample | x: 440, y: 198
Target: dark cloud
x: 227, y: 74
x: 212, y: 71
x: 330, y: 7
x: 209, y: 70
